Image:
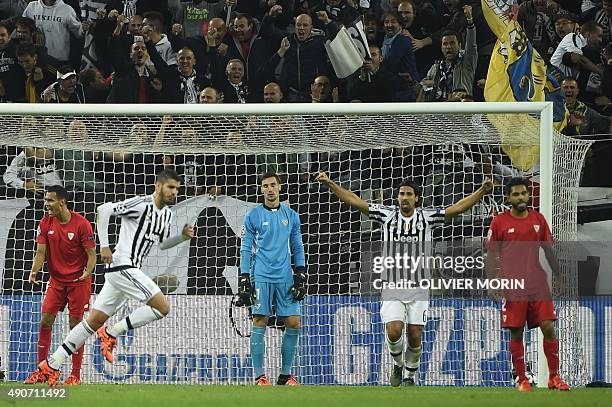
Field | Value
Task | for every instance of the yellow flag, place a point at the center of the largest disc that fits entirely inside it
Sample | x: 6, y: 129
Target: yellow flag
x: 517, y: 73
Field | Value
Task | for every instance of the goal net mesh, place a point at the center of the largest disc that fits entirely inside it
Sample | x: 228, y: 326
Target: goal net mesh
x: 205, y: 337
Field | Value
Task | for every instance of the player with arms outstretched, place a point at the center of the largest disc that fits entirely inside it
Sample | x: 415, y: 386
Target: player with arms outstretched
x: 66, y: 240
x: 515, y: 238
x: 407, y: 222
x: 145, y: 220
x: 270, y: 235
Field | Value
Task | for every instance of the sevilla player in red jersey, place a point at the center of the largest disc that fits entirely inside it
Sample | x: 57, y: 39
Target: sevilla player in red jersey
x: 515, y: 237
x: 66, y: 240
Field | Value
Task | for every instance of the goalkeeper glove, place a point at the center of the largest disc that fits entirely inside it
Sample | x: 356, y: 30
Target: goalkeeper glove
x: 298, y: 290
x: 246, y: 294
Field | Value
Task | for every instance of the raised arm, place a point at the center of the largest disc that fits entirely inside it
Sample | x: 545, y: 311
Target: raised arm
x: 469, y: 201
x: 11, y: 174
x: 269, y: 30
x: 471, y: 48
x: 159, y: 138
x: 582, y: 62
x: 344, y: 195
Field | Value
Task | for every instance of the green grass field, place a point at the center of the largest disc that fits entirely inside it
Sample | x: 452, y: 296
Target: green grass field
x: 317, y: 396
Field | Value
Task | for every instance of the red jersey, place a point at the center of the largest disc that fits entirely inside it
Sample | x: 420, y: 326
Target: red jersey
x: 66, y: 247
x: 517, y: 241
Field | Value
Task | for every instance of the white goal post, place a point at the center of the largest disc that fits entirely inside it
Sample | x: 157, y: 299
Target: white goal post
x: 449, y: 147
x: 543, y: 109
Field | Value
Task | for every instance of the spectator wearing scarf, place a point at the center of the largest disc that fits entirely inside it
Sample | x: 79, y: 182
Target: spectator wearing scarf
x: 455, y: 71
x: 235, y: 89
x: 183, y: 82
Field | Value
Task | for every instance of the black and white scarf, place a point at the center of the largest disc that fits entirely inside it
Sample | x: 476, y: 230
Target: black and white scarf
x: 445, y: 71
x: 606, y: 23
x: 241, y: 92
x: 190, y: 88
x: 129, y: 8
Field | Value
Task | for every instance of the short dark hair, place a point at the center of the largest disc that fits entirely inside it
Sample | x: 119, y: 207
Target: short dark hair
x: 26, y: 22
x: 514, y: 181
x: 246, y: 16
x: 375, y: 46
x: 87, y: 76
x: 167, y: 174
x: 156, y: 19
x: 371, y: 17
x: 391, y: 13
x: 448, y: 33
x: 59, y: 190
x: 412, y: 184
x: 590, y: 27
x: 7, y: 26
x: 186, y: 48
x: 25, y: 49
x: 270, y: 175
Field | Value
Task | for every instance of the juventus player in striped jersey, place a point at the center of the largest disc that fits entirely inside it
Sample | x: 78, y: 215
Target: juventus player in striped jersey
x: 406, y: 222
x: 145, y: 220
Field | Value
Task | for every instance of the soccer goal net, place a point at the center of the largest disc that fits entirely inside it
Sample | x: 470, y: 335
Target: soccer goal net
x: 108, y: 153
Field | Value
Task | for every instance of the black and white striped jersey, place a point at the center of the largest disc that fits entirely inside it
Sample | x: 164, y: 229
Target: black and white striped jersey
x: 398, y: 228
x: 411, y: 236
x: 142, y: 225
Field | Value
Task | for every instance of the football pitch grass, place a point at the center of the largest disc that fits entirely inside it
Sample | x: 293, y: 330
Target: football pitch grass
x: 316, y: 396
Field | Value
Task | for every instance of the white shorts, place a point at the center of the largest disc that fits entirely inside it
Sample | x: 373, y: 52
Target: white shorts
x: 123, y: 285
x: 410, y: 312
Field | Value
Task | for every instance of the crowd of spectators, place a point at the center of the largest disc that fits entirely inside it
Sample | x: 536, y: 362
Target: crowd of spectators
x: 272, y: 51
x: 171, y: 51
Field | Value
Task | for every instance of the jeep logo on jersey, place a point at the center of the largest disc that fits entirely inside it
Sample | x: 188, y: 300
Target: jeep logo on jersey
x: 285, y: 222
x: 536, y: 228
x: 70, y: 235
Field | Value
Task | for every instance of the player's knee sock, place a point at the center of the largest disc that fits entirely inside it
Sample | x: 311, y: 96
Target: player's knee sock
x: 75, y: 339
x: 551, y: 350
x: 396, y: 349
x: 518, y: 358
x: 44, y: 341
x: 139, y: 317
x: 77, y: 361
x: 288, y: 349
x: 413, y: 355
x: 258, y: 347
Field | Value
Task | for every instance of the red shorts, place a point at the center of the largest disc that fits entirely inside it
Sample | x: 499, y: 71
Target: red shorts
x: 58, y: 295
x: 516, y: 313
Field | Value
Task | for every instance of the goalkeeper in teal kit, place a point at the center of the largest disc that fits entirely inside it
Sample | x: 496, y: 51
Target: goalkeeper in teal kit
x: 267, y: 282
